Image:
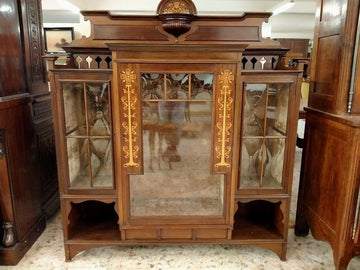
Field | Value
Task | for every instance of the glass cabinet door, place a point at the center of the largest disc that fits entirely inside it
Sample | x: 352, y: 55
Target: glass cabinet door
x: 88, y: 134
x: 177, y: 112
x: 264, y: 133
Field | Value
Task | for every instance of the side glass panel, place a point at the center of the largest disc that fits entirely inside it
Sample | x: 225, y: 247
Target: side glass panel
x: 177, y: 150
x: 88, y: 134
x: 251, y: 157
x: 74, y: 108
x: 277, y: 109
x: 78, y: 159
x: 265, y: 116
x: 97, y: 96
x: 274, y: 162
x: 254, y: 109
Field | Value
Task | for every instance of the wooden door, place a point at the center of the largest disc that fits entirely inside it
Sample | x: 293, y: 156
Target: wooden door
x: 332, y: 55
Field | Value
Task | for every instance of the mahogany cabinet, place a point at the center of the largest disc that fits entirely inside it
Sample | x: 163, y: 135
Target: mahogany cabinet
x: 328, y: 202
x: 21, y: 218
x: 180, y: 135
x: 22, y: 71
x: 29, y: 189
x: 329, y: 187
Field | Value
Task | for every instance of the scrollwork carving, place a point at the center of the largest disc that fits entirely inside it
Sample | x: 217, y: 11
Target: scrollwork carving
x: 176, y: 7
x: 35, y: 40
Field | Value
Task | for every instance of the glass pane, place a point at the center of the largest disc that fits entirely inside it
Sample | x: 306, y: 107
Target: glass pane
x: 254, y: 109
x: 101, y: 163
x: 251, y: 162
x: 176, y: 153
x: 79, y: 166
x: 78, y: 162
x: 177, y: 86
x: 201, y: 86
x: 152, y: 86
x: 98, y: 109
x: 274, y: 170
x: 74, y: 108
x: 277, y: 113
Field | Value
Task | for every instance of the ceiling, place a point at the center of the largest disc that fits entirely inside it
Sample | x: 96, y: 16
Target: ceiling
x: 203, y: 6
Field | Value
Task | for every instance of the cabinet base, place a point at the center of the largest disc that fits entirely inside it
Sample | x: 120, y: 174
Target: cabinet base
x: 72, y: 248
x: 12, y: 255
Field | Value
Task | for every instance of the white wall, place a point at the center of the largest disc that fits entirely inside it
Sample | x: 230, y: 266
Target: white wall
x: 81, y: 28
x: 292, y: 25
x: 282, y: 26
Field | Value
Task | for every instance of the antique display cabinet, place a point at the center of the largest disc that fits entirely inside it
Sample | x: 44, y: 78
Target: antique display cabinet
x: 175, y: 129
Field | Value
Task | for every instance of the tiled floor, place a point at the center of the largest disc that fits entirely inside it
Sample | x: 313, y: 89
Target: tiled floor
x: 303, y: 253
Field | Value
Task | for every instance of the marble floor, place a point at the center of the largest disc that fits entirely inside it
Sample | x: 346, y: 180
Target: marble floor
x: 303, y: 253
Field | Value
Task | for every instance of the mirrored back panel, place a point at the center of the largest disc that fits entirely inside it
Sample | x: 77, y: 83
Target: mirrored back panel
x: 177, y: 122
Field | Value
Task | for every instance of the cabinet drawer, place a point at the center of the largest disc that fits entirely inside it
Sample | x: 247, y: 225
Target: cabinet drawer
x: 141, y: 234
x: 176, y: 234
x: 211, y: 233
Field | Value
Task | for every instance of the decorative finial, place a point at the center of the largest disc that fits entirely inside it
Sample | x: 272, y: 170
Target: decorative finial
x: 176, y: 15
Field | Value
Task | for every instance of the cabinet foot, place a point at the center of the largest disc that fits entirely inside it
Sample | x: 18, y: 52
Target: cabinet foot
x: 8, y: 236
x: 13, y: 254
x: 341, y: 261
x: 301, y: 224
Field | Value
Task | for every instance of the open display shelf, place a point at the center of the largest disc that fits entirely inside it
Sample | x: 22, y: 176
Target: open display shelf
x: 93, y: 220
x: 256, y: 220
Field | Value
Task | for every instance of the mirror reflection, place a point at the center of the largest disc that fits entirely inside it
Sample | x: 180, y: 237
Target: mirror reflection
x: 177, y: 122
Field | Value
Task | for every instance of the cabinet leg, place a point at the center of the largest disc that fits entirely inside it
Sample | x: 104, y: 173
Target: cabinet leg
x: 8, y: 237
x: 283, y: 252
x: 301, y: 226
x: 341, y: 261
x: 67, y: 253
